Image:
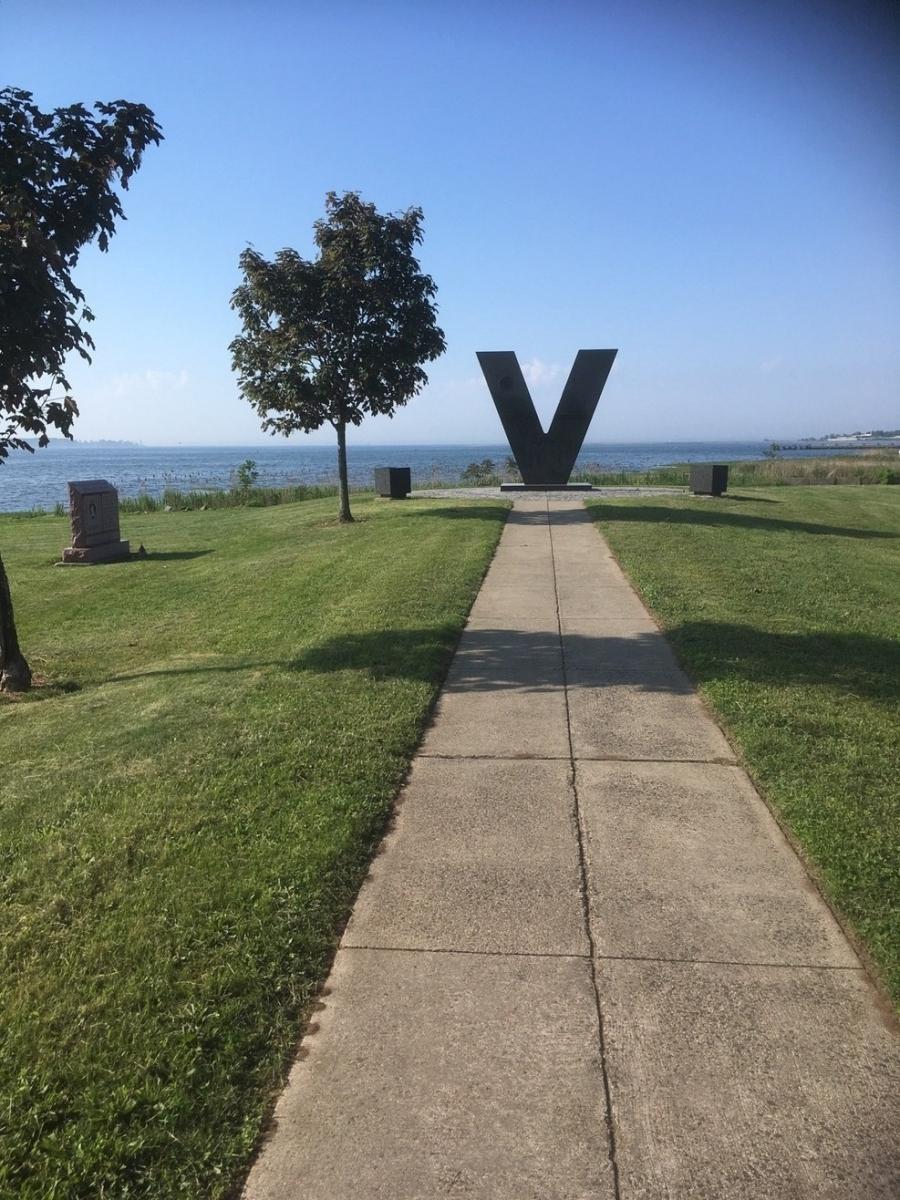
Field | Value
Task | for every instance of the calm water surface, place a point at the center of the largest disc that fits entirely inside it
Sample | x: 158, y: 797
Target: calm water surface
x: 39, y: 480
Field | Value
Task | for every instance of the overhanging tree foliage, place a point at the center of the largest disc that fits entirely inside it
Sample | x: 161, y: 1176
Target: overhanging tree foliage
x: 341, y: 336
x: 57, y: 175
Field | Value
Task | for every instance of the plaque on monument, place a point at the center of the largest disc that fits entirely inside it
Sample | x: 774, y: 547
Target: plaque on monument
x: 545, y: 459
x: 94, y: 511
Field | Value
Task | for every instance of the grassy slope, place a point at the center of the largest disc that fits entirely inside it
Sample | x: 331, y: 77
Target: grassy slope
x: 784, y: 605
x: 181, y: 838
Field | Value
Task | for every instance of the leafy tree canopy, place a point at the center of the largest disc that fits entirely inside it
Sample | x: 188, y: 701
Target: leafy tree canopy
x: 333, y: 339
x: 343, y: 335
x: 57, y: 177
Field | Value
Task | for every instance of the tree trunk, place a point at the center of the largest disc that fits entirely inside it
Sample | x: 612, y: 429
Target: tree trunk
x: 15, y: 674
x: 345, y: 514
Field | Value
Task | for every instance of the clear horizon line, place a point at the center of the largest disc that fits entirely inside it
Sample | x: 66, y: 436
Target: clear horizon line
x: 128, y: 443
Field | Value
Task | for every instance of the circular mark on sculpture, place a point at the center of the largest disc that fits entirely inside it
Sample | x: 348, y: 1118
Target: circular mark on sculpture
x: 506, y: 382
x: 92, y: 509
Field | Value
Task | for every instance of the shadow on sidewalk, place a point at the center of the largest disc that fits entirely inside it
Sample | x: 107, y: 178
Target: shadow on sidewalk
x: 498, y: 659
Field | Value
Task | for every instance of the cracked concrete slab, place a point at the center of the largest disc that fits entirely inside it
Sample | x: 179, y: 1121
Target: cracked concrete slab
x: 592, y: 650
x: 574, y: 600
x: 491, y: 657
x: 531, y: 555
x: 440, y: 1074
x: 545, y: 623
x: 540, y: 598
x: 685, y: 861
x: 483, y: 857
x: 590, y: 572
x: 654, y: 719
x: 610, y: 624
x: 502, y: 602
x: 750, y: 1082
x: 527, y: 721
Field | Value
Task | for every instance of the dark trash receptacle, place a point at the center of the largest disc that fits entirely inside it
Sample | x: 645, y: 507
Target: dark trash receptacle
x: 395, y: 482
x: 709, y: 479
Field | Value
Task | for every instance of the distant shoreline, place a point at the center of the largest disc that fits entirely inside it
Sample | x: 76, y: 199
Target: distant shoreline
x: 838, y: 442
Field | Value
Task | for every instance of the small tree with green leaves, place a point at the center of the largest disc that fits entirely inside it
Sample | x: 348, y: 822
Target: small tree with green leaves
x: 245, y: 477
x: 480, y: 473
x: 342, y: 336
x: 58, y: 172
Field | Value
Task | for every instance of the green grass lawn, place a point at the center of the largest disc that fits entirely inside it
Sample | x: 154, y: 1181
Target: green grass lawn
x: 783, y: 604
x: 187, y: 809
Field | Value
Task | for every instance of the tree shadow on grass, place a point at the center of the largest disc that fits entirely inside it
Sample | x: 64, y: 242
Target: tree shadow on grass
x: 169, y: 555
x: 857, y: 664
x: 740, y: 497
x: 42, y: 688
x: 135, y: 557
x: 724, y: 519
x: 225, y: 668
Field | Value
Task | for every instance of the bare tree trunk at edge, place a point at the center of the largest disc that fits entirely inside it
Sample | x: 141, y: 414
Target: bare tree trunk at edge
x: 15, y: 674
x: 345, y: 514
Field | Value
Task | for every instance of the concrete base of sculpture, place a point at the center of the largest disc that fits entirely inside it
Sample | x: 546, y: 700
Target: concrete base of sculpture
x: 546, y: 487
x: 85, y: 555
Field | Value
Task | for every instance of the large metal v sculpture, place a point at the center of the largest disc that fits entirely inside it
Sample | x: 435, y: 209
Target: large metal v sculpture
x: 546, y: 458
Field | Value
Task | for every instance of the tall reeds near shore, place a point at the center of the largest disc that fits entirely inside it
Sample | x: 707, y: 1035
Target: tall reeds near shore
x: 257, y: 497
x: 864, y: 467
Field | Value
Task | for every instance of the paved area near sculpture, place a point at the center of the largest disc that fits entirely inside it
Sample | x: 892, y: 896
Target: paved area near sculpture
x: 491, y: 493
x: 586, y: 962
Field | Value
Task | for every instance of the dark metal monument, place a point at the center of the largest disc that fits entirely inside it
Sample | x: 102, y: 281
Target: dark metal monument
x: 395, y: 482
x: 709, y: 479
x: 546, y: 459
x: 94, y: 511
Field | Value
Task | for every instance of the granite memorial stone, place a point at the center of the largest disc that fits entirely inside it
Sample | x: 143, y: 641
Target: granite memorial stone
x: 94, y: 511
x: 546, y: 459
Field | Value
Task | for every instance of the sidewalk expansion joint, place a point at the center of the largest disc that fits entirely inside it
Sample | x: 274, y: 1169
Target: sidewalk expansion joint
x: 727, y: 962
x: 475, y: 953
x: 619, y: 758
x: 498, y: 757
x: 581, y: 758
x: 585, y: 893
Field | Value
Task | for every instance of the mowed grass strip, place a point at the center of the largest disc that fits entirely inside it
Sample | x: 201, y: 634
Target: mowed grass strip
x: 784, y: 606
x: 187, y: 809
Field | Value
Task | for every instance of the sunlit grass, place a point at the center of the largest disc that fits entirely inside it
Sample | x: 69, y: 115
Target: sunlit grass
x: 187, y: 807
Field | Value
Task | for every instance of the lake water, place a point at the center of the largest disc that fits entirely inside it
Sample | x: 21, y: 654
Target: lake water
x: 40, y: 480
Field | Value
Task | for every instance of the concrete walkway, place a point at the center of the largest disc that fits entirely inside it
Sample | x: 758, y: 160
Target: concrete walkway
x: 586, y: 963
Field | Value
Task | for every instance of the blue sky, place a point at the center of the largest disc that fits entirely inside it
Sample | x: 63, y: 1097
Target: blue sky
x: 710, y: 187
